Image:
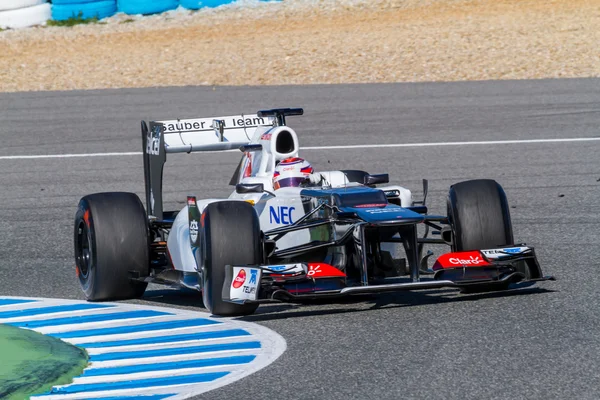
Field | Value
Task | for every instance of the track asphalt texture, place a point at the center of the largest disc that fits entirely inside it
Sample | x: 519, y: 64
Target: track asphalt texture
x: 538, y: 343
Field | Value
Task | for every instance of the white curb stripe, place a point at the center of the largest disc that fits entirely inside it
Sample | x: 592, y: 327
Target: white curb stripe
x: 161, y: 359
x: 152, y: 374
x: 218, y: 353
x: 44, y: 317
x: 107, y: 324
x: 139, y: 335
x: 165, y: 345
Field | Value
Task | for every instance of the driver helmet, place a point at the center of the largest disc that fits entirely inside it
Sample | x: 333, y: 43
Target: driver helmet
x: 291, y: 172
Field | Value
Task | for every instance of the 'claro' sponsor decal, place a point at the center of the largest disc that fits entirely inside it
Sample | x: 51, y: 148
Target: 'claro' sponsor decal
x: 462, y: 259
x: 239, y: 279
x: 245, y: 283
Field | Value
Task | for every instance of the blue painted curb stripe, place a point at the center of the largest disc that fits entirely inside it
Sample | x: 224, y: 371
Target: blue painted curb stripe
x: 132, y: 369
x: 89, y: 318
x: 175, y: 380
x: 10, y: 302
x: 154, y: 397
x: 168, y: 339
x: 136, y: 328
x: 51, y: 310
x: 174, y: 351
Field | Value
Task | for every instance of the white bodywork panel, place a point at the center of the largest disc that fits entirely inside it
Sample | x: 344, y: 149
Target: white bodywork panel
x: 257, y: 166
x: 202, y: 134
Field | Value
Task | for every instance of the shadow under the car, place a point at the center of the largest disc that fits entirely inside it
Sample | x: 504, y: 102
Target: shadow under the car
x: 379, y: 301
x: 329, y: 306
x: 175, y: 297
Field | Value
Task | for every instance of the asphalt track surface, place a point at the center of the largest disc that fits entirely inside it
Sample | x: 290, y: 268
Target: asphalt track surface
x: 536, y: 343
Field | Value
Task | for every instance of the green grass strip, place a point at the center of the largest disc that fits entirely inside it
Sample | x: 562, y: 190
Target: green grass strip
x: 72, y: 21
x: 32, y: 363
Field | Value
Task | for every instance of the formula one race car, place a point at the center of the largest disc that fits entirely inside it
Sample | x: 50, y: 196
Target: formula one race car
x: 348, y: 233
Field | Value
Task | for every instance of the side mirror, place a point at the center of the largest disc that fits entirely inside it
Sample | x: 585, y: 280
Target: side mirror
x: 376, y: 179
x: 249, y: 188
x: 250, y: 147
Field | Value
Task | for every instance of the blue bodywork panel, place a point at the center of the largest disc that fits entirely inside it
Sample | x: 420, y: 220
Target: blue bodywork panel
x: 369, y: 204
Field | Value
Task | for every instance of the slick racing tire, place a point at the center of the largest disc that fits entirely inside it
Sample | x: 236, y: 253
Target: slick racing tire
x: 480, y: 219
x: 479, y: 215
x: 111, y: 246
x: 231, y: 236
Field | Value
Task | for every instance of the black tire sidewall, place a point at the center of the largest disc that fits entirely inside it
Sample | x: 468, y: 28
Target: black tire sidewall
x: 118, y: 234
x: 479, y: 215
x: 230, y: 236
x: 88, y: 280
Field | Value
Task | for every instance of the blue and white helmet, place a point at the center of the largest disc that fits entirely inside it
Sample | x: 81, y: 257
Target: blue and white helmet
x: 291, y: 172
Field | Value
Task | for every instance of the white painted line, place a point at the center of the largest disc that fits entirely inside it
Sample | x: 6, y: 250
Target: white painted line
x: 440, y: 144
x: 31, y: 157
x: 335, y: 147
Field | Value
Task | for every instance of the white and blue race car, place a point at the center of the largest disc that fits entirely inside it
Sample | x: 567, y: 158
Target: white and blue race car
x: 348, y: 232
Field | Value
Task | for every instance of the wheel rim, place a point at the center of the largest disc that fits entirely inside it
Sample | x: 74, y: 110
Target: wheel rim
x: 84, y: 251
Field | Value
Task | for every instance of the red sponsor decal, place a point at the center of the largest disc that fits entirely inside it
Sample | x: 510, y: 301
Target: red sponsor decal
x: 370, y: 205
x: 248, y: 166
x: 265, y: 136
x: 191, y: 201
x: 86, y: 217
x: 239, y: 279
x: 460, y: 260
x: 320, y: 270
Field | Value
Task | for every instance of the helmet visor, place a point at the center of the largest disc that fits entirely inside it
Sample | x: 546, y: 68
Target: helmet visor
x: 289, y: 182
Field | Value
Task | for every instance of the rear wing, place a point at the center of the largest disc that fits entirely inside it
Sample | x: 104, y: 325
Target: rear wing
x: 209, y: 134
x: 198, y: 134
x: 186, y: 136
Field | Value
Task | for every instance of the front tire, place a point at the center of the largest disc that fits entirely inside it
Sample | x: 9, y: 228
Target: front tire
x: 480, y: 219
x: 231, y: 236
x: 111, y: 246
x: 479, y: 215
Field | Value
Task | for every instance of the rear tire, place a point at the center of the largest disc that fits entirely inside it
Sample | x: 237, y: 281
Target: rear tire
x: 111, y: 246
x: 231, y: 236
x: 479, y: 215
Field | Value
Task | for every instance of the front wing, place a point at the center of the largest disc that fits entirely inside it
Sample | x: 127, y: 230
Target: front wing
x: 484, y: 270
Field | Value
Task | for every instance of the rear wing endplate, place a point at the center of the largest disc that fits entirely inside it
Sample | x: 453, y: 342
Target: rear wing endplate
x: 191, y: 135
